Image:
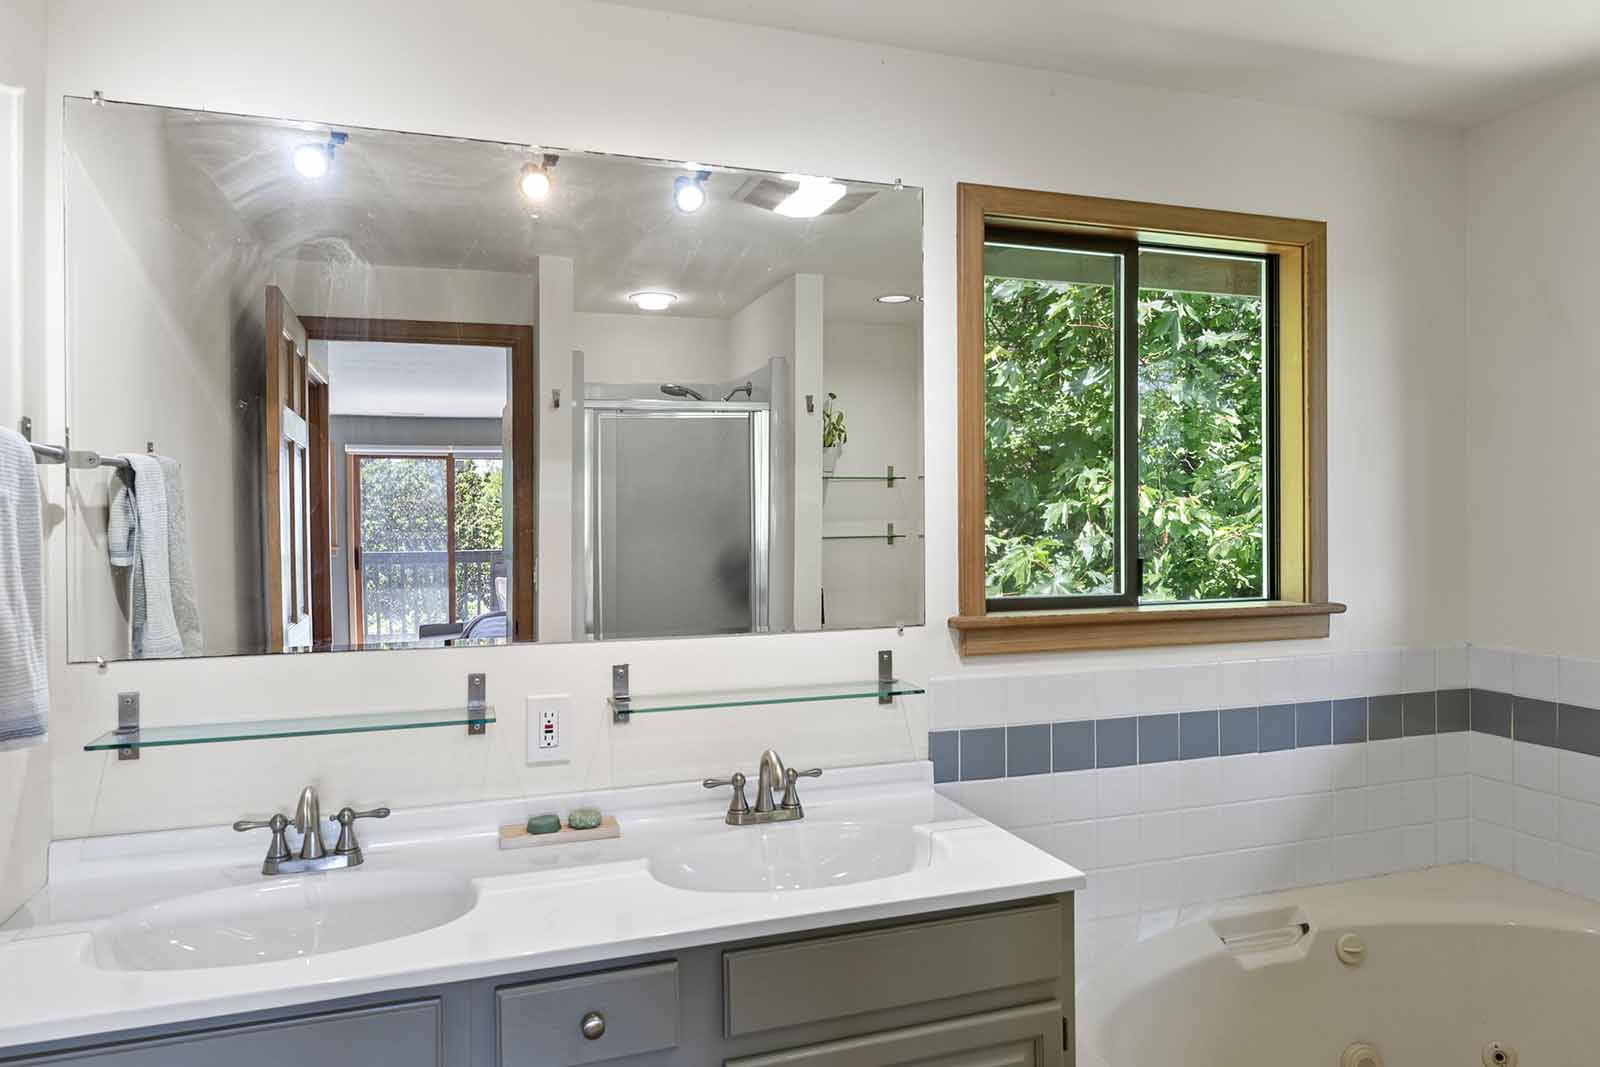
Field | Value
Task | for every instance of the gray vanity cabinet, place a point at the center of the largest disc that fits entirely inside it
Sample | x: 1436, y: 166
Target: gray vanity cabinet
x: 981, y: 987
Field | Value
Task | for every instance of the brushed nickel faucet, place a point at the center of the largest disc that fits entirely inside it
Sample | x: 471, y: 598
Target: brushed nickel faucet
x: 772, y: 774
x: 314, y: 854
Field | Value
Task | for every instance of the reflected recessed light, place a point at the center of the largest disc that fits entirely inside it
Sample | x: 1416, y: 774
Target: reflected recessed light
x: 814, y: 196
x: 689, y: 193
x: 653, y: 300
x: 534, y: 179
x: 314, y: 160
x: 895, y: 298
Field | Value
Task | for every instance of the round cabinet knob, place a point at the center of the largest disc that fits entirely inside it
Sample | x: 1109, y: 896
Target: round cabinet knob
x: 593, y: 1025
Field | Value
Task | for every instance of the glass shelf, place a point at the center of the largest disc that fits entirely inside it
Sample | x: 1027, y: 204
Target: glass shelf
x: 265, y: 729
x: 653, y: 703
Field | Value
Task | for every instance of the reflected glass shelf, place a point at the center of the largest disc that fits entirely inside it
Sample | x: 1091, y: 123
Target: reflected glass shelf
x: 881, y: 479
x: 653, y: 703
x: 265, y: 729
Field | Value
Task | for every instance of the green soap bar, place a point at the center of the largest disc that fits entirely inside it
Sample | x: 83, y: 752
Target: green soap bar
x: 583, y: 818
x: 544, y: 824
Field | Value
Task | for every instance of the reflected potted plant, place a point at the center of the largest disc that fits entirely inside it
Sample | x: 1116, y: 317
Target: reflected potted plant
x: 834, y: 434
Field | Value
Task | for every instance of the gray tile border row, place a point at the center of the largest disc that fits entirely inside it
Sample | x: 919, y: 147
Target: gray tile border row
x: 987, y: 752
x: 1569, y: 727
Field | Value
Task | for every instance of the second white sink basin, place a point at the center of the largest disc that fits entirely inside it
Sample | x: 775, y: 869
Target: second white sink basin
x: 281, y: 918
x: 789, y: 856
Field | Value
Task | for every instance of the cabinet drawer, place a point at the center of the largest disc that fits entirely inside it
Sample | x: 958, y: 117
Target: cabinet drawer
x: 541, y: 1025
x: 1018, y: 1037
x: 395, y: 1035
x: 848, y: 974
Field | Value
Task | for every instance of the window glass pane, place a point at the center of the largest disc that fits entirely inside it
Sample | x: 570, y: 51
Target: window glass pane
x: 480, y: 538
x: 1203, y: 409
x: 405, y: 572
x: 1050, y: 420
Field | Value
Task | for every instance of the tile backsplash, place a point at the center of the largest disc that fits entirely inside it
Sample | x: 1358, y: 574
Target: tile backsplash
x: 1176, y: 788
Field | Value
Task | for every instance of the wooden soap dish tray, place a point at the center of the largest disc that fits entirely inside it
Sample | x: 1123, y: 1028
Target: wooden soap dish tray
x: 518, y: 837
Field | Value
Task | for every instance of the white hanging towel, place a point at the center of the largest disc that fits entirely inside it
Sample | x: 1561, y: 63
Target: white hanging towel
x: 139, y: 537
x: 24, y: 674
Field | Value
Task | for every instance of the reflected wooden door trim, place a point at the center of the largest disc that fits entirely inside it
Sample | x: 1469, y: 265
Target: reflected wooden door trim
x: 518, y: 340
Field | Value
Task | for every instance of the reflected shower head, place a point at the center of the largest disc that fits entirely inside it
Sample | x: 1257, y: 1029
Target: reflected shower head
x: 747, y: 389
x: 683, y: 391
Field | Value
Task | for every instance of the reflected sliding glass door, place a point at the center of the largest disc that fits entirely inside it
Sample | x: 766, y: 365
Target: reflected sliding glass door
x: 430, y: 559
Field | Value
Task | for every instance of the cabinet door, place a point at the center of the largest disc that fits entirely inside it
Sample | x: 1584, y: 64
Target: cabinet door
x: 1030, y: 1036
x: 395, y: 1035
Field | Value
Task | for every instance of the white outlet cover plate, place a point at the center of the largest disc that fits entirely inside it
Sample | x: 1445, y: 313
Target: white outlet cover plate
x: 561, y: 705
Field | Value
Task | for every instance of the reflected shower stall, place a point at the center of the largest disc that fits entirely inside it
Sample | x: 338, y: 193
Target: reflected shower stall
x: 676, y: 516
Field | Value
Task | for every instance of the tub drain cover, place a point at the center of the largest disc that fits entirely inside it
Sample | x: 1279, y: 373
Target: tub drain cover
x: 1361, y: 1054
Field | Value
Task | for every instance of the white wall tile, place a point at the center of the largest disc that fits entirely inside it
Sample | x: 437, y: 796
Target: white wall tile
x: 1202, y: 687
x: 1386, y: 671
x: 991, y: 799
x: 1454, y: 753
x: 1534, y: 676
x: 1160, y: 889
x: 985, y: 700
x: 1313, y: 768
x: 1203, y: 831
x: 1400, y: 759
x: 1419, y: 845
x: 1275, y: 773
x: 1492, y: 757
x: 1161, y: 836
x: 1534, y: 766
x: 1160, y: 786
x: 1040, y: 837
x: 1578, y: 682
x: 1490, y: 668
x: 1116, y: 693
x: 1074, y: 795
x: 1538, y: 860
x: 1118, y: 889
x: 1453, y: 841
x: 1400, y: 804
x: 1313, y: 678
x: 1118, y: 790
x: 1238, y: 684
x: 1494, y: 845
x: 944, y: 703
x: 1580, y: 825
x: 1349, y: 765
x: 1241, y: 778
x: 1450, y: 667
x: 1579, y: 776
x: 1116, y: 842
x: 1347, y: 676
x: 1537, y: 813
x: 1419, y: 756
x: 1580, y: 873
x: 1451, y: 797
x: 1158, y: 690
x: 1350, y: 811
x: 1277, y: 680
x: 1075, y: 844
x: 1493, y: 801
x: 1200, y: 782
x: 1240, y: 826
x: 1032, y: 799
x: 1418, y: 670
x: 1314, y: 863
x: 1031, y: 698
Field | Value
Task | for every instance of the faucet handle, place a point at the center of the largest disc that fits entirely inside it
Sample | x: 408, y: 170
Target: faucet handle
x: 791, y: 796
x: 738, y: 805
x: 347, y: 844
x: 278, y: 850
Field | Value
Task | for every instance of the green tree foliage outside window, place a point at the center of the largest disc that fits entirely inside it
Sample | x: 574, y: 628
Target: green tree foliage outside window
x: 1050, y: 453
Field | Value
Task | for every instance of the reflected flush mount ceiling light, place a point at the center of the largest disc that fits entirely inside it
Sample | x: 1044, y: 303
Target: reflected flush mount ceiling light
x: 315, y: 159
x: 689, y: 193
x: 814, y: 196
x: 895, y: 298
x: 534, y: 180
x: 653, y: 300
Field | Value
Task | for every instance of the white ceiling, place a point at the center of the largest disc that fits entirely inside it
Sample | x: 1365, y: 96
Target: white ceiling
x: 431, y: 381
x: 420, y: 201
x: 1455, y: 62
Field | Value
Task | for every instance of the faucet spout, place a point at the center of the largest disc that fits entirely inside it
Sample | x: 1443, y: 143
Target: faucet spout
x: 308, y: 820
x: 771, y: 777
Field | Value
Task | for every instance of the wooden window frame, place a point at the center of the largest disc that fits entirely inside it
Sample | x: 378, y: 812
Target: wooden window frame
x: 1302, y: 608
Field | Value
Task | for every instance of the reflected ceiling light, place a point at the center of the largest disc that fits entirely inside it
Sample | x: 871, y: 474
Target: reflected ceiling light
x: 689, y: 193
x: 534, y: 181
x: 895, y: 298
x: 814, y: 196
x: 314, y: 160
x: 653, y: 300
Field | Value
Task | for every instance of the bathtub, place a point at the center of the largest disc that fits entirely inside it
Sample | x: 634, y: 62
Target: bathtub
x: 1447, y: 967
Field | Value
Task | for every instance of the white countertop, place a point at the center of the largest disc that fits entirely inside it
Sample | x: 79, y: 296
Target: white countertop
x: 609, y: 905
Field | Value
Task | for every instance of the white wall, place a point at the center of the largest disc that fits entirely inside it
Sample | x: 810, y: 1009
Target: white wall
x: 622, y: 349
x: 1391, y: 193
x: 1534, y: 367
x: 25, y: 812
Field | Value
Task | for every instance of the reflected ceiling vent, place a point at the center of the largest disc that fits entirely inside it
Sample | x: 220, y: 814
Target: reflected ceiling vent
x: 767, y: 193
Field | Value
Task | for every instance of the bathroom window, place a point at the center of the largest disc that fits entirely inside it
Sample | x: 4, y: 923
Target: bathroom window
x: 1142, y: 424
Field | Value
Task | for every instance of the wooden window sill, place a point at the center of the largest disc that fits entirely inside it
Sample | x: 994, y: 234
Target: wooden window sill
x: 1140, y: 627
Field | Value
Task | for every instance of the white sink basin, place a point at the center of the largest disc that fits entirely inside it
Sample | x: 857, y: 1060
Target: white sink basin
x: 281, y: 918
x: 788, y: 856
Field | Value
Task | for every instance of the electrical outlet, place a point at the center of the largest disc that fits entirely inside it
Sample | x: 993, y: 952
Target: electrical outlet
x: 549, y: 728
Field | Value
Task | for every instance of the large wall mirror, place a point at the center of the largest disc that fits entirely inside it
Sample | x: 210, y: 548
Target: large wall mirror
x: 352, y: 388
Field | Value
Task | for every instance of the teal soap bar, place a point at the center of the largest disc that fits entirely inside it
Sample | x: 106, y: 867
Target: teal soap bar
x: 583, y: 818
x: 544, y: 824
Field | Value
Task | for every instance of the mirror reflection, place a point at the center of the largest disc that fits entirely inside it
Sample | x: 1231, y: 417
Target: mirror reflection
x: 352, y: 388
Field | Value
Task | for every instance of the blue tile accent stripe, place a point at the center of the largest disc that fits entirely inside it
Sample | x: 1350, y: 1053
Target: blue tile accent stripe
x: 1083, y: 744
